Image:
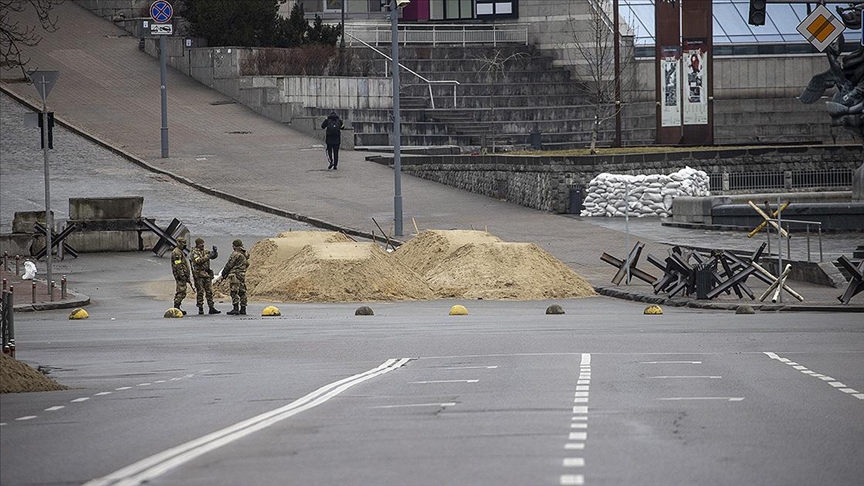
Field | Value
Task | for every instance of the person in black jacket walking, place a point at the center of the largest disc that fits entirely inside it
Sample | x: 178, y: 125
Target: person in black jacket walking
x: 333, y: 129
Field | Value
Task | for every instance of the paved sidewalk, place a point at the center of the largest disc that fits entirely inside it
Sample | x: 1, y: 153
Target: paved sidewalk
x: 109, y: 90
x: 27, y: 297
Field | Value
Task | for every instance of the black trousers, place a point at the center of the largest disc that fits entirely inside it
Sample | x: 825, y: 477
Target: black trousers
x: 333, y: 154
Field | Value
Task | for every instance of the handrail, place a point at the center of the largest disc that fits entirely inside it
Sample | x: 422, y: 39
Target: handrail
x: 457, y: 34
x: 428, y: 82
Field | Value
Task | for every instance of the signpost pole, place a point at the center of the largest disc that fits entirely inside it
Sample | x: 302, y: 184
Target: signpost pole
x: 49, y: 223
x: 164, y: 89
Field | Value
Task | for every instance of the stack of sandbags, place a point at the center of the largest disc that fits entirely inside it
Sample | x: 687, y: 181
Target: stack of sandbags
x: 649, y: 195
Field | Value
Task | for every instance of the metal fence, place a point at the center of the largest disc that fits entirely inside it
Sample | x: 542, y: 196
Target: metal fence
x: 781, y: 180
x: 439, y: 34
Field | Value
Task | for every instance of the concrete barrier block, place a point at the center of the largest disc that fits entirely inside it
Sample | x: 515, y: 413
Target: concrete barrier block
x: 105, y: 207
x: 23, y: 221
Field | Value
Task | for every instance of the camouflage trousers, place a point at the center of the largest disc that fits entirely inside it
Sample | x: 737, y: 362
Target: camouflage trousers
x: 203, y: 287
x: 238, y: 289
x: 180, y: 292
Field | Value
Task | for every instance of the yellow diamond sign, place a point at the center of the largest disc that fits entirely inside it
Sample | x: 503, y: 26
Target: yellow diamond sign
x: 821, y: 27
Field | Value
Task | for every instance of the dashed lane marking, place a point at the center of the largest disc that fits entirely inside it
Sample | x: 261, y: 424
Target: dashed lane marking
x: 712, y: 377
x: 574, y: 462
x: 572, y: 480
x: 449, y: 404
x: 803, y: 369
x: 678, y: 399
x: 55, y: 408
x: 670, y: 362
x: 441, y: 381
x: 78, y: 400
x: 26, y: 417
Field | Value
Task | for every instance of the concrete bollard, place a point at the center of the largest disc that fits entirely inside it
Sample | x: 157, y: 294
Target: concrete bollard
x: 63, y: 287
x: 51, y: 290
x: 17, y: 264
x: 33, y: 292
x: 4, y: 284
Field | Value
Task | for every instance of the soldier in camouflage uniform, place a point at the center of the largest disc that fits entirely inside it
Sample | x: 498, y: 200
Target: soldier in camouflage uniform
x: 203, y: 275
x: 180, y: 269
x: 235, y: 272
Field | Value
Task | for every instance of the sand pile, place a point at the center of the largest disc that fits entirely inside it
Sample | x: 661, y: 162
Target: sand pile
x: 341, y: 272
x: 17, y: 377
x: 430, y: 247
x: 520, y: 271
x: 267, y: 254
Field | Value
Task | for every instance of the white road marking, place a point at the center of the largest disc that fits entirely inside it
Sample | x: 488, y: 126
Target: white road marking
x: 586, y: 359
x: 574, y: 462
x: 144, y: 384
x: 800, y: 368
x: 859, y: 396
x: 670, y: 362
x: 713, y: 377
x: 147, y: 469
x: 26, y: 417
x: 582, y: 388
x: 578, y: 436
x: 572, y: 446
x: 728, y: 399
x: 578, y: 425
x: 580, y: 400
x: 471, y: 367
x: 826, y: 378
x: 159, y: 381
x: 572, y: 480
x: 831, y: 381
x: 837, y: 384
x: 849, y: 390
x: 582, y: 409
x: 82, y: 399
x: 123, y: 388
x: 55, y: 408
x: 102, y: 394
x: 583, y: 382
x: 450, y: 404
x: 441, y: 381
x: 2, y: 424
x: 581, y: 394
x: 580, y: 417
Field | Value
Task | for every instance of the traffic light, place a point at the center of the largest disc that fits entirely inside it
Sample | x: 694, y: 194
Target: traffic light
x: 757, y: 12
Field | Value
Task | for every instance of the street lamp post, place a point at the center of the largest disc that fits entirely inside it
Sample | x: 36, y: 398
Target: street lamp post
x: 397, y: 128
x: 342, y: 42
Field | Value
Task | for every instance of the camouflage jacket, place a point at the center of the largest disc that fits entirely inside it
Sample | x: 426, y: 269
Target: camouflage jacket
x: 237, y: 263
x: 200, y: 259
x: 179, y: 265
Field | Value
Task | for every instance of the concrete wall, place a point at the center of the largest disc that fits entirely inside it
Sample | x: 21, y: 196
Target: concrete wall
x: 544, y: 182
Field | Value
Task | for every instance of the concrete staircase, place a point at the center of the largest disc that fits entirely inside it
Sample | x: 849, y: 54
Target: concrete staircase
x: 527, y: 94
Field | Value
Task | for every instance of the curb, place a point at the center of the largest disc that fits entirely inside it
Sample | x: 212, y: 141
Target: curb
x: 73, y: 300
x: 698, y: 304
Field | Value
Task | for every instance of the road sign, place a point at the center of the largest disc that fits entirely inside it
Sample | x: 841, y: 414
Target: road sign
x: 161, y: 29
x: 821, y: 28
x: 161, y: 11
x: 43, y: 81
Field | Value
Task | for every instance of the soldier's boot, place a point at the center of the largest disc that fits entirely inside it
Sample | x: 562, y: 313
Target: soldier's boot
x: 235, y: 311
x: 181, y: 310
x: 214, y: 310
x: 200, y: 310
x: 242, y: 310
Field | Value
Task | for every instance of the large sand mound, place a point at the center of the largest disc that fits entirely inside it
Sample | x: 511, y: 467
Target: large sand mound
x: 430, y: 247
x: 17, y: 377
x: 267, y: 254
x: 520, y: 271
x: 342, y: 272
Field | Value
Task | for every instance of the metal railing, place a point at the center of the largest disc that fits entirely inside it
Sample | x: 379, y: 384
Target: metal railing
x: 785, y: 224
x: 428, y: 82
x: 790, y: 179
x: 440, y: 34
x: 7, y: 321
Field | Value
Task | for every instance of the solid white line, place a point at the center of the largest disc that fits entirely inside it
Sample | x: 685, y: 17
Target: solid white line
x: 450, y: 404
x: 574, y: 462
x: 145, y: 470
x: 670, y: 362
x: 572, y: 480
x: 713, y: 377
x: 441, y: 381
x: 578, y: 436
x: 586, y: 359
x: 572, y: 446
x: 470, y: 367
x: 82, y: 399
x: 26, y: 417
x: 728, y: 399
x: 100, y: 394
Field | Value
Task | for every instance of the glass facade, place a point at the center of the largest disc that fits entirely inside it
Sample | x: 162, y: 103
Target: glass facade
x: 732, y: 34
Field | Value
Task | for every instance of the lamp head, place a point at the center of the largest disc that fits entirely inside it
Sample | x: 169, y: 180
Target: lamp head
x: 402, y: 3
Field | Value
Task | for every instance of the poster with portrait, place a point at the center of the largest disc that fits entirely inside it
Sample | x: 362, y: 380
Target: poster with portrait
x: 670, y: 77
x: 695, y: 95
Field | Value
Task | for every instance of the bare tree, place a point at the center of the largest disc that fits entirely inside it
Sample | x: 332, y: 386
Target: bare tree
x: 594, y: 52
x: 493, y: 66
x: 14, y: 34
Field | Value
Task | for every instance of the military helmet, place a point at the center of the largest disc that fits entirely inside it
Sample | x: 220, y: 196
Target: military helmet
x: 238, y: 243
x: 199, y: 241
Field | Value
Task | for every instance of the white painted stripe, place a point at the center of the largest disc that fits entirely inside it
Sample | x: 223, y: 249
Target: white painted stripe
x: 100, y: 394
x: 791, y: 363
x: 145, y: 470
x: 159, y: 381
x: 82, y: 399
x: 190, y: 375
x: 2, y: 424
x: 573, y: 446
x: 837, y: 384
x: 771, y: 355
x: 572, y: 480
x: 728, y: 399
x: 579, y: 425
x: 583, y: 382
x: 671, y: 362
x: 176, y: 379
x: 580, y: 417
x: 809, y: 372
x: 123, y: 388
x: 441, y: 381
x: 800, y: 368
x: 859, y: 396
x: 578, y: 436
x: 449, y: 404
x: 55, y: 408
x: 582, y: 388
x: 581, y: 394
x: 818, y: 375
x: 586, y: 359
x: 574, y: 462
x: 582, y: 409
x: 713, y: 377
x: 580, y: 400
x: 849, y: 390
x: 584, y: 376
x: 470, y: 367
x: 144, y: 384
x: 826, y: 378
x: 26, y: 417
